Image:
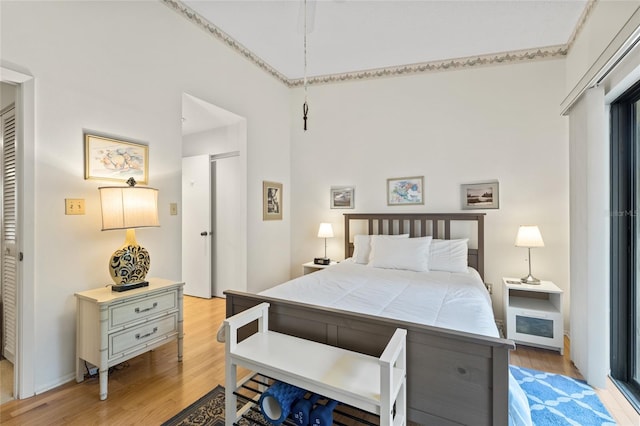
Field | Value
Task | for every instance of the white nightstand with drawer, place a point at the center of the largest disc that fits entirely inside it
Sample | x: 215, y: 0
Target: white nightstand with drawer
x: 112, y: 327
x: 533, y: 313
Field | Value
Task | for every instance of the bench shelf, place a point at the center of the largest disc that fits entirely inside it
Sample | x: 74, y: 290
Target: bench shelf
x: 250, y: 391
x: 375, y: 385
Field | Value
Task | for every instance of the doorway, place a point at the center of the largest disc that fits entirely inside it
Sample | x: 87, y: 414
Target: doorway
x: 8, y: 231
x: 214, y: 194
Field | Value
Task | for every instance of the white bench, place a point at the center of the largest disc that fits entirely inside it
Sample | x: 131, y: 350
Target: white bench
x: 369, y: 383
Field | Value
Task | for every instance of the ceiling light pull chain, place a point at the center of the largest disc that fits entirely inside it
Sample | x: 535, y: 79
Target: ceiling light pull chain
x: 305, y: 106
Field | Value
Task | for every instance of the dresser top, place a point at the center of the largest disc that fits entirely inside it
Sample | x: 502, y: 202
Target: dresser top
x: 106, y: 295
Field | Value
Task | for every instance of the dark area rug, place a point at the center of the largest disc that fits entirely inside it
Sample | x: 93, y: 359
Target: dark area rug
x: 209, y: 411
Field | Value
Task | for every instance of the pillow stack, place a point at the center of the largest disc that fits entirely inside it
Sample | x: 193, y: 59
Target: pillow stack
x: 422, y: 254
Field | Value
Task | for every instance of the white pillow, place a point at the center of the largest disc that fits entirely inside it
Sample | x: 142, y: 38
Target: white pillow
x: 407, y: 253
x: 362, y: 246
x: 449, y: 255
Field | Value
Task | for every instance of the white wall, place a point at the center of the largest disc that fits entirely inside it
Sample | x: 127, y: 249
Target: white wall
x: 452, y: 128
x: 214, y: 141
x: 113, y: 67
x: 7, y: 95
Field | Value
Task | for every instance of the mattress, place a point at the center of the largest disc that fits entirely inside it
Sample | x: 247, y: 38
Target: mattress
x: 457, y: 301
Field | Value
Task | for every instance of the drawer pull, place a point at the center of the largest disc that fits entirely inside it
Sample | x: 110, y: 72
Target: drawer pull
x: 139, y: 311
x: 144, y: 336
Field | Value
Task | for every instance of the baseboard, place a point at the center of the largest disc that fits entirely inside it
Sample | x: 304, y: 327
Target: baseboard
x: 54, y: 384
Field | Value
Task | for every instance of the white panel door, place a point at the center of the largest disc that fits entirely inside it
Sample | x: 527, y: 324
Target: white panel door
x: 229, y: 225
x: 196, y: 226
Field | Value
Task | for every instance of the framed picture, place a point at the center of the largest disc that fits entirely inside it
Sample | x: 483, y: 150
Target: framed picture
x: 405, y: 191
x: 480, y: 196
x: 112, y: 159
x: 342, y: 197
x: 271, y: 201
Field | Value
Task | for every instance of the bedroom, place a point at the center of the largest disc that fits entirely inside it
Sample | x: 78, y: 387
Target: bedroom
x: 510, y: 112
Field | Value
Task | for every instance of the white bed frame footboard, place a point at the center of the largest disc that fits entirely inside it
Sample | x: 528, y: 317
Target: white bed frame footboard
x: 453, y: 377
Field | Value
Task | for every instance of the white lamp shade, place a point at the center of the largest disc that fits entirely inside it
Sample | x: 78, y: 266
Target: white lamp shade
x: 529, y: 236
x: 325, y: 231
x: 128, y: 207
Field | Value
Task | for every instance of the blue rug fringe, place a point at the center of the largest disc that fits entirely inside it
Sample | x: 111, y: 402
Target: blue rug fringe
x: 555, y: 399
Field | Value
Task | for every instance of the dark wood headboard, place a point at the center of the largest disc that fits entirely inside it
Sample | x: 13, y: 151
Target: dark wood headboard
x: 437, y: 225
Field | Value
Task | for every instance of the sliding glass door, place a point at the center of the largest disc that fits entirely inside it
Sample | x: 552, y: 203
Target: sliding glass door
x: 625, y: 244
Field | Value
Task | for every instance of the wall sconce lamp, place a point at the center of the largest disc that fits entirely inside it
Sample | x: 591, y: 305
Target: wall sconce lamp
x: 529, y: 237
x: 128, y: 208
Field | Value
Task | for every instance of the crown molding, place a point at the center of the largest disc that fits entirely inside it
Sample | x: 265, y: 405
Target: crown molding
x: 591, y: 4
x: 216, y: 32
x: 535, y: 54
x: 550, y: 52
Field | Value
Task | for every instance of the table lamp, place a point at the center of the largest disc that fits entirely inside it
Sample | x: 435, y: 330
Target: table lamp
x: 129, y: 207
x: 529, y: 237
x: 325, y: 231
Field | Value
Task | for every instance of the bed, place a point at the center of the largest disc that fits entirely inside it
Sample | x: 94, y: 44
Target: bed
x: 457, y: 363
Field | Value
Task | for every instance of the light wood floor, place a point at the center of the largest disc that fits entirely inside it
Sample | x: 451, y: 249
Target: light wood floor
x: 154, y: 386
x: 6, y: 381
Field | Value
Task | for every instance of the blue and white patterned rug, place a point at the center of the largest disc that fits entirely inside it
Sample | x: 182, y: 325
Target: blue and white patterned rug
x: 555, y: 399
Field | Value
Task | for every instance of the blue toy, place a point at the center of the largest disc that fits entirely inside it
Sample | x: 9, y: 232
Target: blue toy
x: 275, y: 403
x: 302, y: 410
x: 322, y: 415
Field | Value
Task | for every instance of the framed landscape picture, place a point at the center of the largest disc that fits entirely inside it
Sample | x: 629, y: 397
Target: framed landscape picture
x: 342, y: 197
x: 271, y: 201
x: 112, y: 159
x: 480, y: 196
x: 405, y: 191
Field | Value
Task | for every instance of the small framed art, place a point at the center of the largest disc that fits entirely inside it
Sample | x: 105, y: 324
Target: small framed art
x: 405, y: 191
x: 480, y: 196
x: 271, y: 201
x: 113, y: 159
x: 342, y: 197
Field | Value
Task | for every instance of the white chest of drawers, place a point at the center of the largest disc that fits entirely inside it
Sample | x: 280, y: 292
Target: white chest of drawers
x: 112, y: 327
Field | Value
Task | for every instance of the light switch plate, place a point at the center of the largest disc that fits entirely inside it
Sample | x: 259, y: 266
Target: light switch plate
x: 173, y: 209
x: 74, y: 206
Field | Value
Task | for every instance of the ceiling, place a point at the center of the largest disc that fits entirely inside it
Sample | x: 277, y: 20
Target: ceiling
x: 347, y: 36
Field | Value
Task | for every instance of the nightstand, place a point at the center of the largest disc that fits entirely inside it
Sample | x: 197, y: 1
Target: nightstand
x: 310, y: 267
x: 112, y: 327
x: 533, y: 313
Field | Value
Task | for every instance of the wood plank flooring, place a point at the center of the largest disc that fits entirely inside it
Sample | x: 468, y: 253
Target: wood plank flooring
x: 153, y: 387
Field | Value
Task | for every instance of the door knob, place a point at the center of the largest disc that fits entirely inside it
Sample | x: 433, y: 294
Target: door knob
x: 204, y: 233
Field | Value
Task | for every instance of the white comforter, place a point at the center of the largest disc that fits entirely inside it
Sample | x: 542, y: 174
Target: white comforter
x: 457, y: 301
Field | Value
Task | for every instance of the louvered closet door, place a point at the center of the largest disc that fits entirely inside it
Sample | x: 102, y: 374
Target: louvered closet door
x: 9, y: 225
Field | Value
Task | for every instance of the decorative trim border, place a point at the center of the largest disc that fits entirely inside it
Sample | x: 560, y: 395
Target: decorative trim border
x: 581, y: 22
x: 549, y: 52
x: 435, y: 66
x: 204, y: 24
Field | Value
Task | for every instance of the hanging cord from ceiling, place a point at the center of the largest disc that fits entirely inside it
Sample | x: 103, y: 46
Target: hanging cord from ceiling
x: 305, y: 105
